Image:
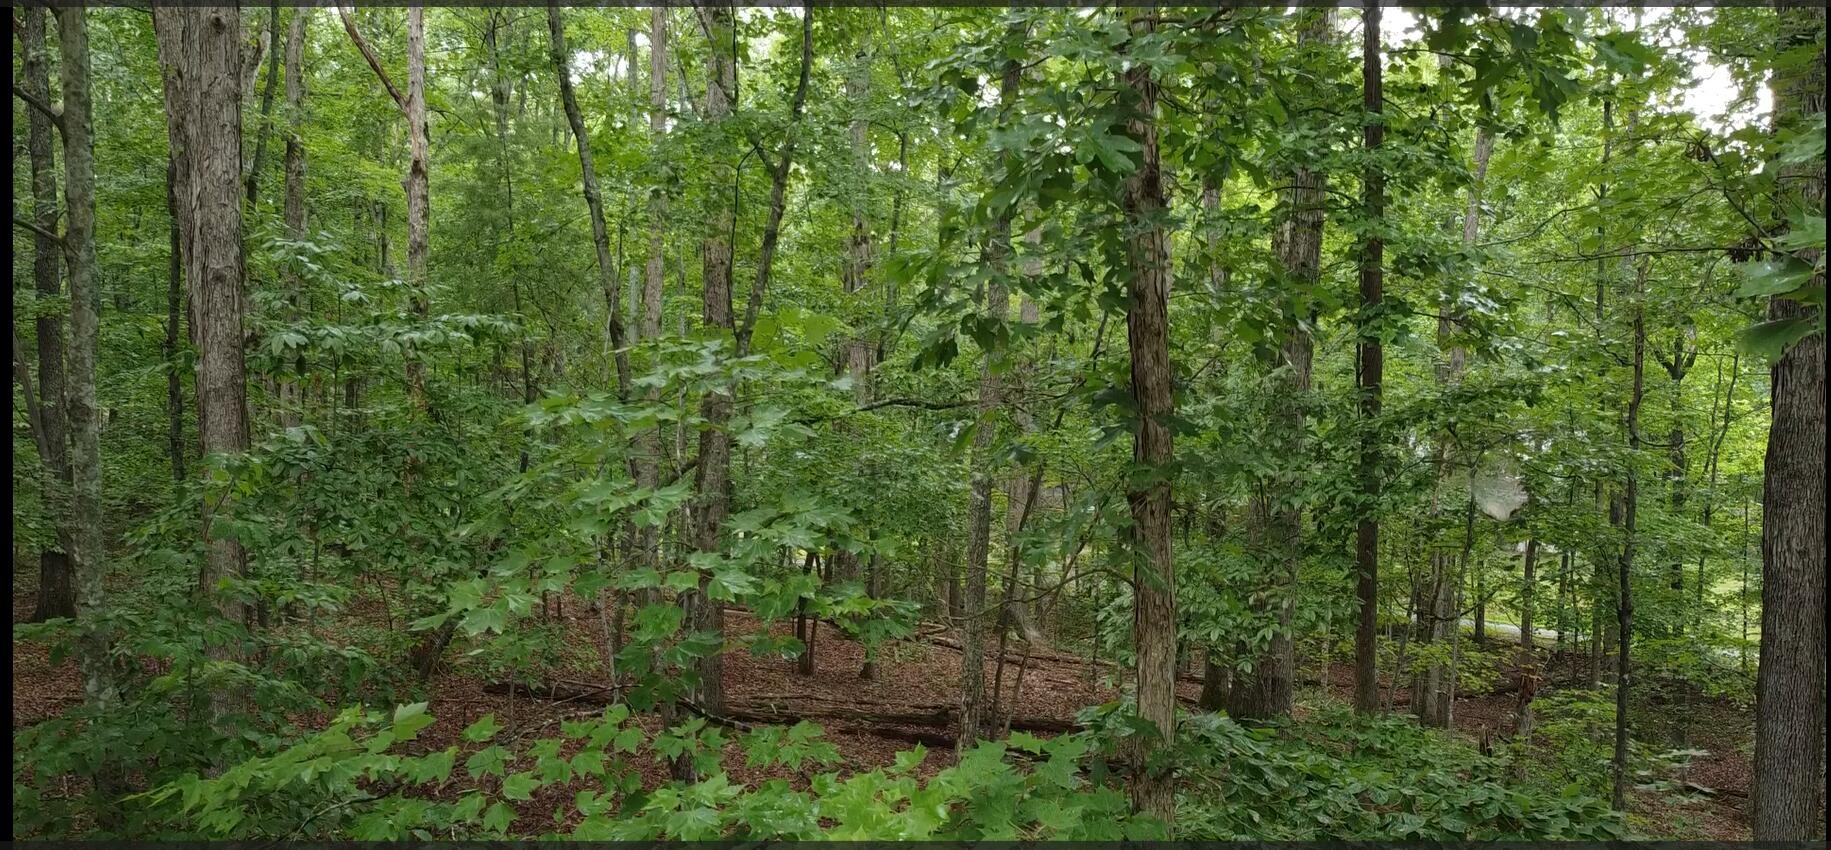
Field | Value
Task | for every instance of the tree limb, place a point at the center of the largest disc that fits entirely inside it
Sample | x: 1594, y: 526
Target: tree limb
x: 49, y: 111
x: 368, y: 53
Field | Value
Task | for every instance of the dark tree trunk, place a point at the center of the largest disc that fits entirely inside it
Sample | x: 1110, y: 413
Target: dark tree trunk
x: 174, y: 307
x: 1624, y: 602
x: 56, y: 590
x: 1370, y: 374
x: 1790, y: 688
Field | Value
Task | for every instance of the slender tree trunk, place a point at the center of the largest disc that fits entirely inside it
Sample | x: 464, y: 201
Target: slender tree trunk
x: 608, y: 279
x: 1148, y: 331
x: 88, y: 558
x: 995, y: 256
x: 253, y: 178
x: 418, y: 202
x: 1439, y: 616
x: 712, y: 478
x: 594, y: 201
x: 650, y: 319
x: 1790, y: 685
x: 292, y: 399
x: 174, y: 305
x: 1624, y: 604
x: 1528, y: 595
x: 56, y: 590
x: 1371, y: 372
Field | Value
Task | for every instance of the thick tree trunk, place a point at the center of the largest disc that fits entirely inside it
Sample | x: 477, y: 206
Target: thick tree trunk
x: 56, y: 590
x: 200, y: 51
x: 1370, y: 373
x: 1148, y: 331
x: 1790, y: 686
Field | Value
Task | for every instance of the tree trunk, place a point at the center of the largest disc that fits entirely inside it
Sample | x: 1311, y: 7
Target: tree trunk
x: 1790, y: 684
x: 292, y: 400
x: 418, y: 202
x: 594, y: 200
x: 174, y: 305
x: 1148, y: 332
x: 650, y: 318
x: 200, y: 50
x: 995, y: 256
x: 1624, y: 603
x: 1528, y: 594
x: 712, y: 478
x: 273, y: 73
x: 56, y: 591
x: 1371, y: 372
x: 1267, y: 689
x: 88, y: 558
x: 1439, y: 616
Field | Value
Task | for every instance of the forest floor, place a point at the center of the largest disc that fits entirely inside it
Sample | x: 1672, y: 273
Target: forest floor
x: 864, y: 719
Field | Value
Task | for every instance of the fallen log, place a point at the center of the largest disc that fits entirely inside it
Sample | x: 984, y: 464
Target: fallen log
x: 789, y: 711
x: 556, y: 691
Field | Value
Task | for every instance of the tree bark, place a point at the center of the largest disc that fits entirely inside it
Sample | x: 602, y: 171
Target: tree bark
x: 1148, y: 332
x: 1267, y: 690
x: 56, y: 590
x: 995, y: 257
x: 199, y: 48
x: 1528, y: 595
x: 174, y: 305
x: 594, y: 199
x: 650, y: 318
x: 1438, y: 616
x: 292, y: 400
x: 88, y: 558
x: 1371, y: 372
x: 712, y: 478
x: 273, y: 73
x: 1624, y: 603
x: 1790, y: 685
x: 418, y: 201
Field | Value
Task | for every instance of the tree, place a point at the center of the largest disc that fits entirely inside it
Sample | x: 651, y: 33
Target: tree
x: 1147, y: 326
x: 1371, y: 367
x: 56, y: 592
x: 1266, y: 691
x: 1790, y: 688
x: 994, y: 255
x: 200, y: 51
x: 88, y: 553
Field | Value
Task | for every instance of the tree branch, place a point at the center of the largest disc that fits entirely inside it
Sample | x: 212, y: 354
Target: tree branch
x: 35, y: 228
x: 368, y: 53
x: 49, y: 111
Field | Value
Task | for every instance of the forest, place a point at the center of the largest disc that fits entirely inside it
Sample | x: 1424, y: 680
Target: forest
x: 1224, y: 422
